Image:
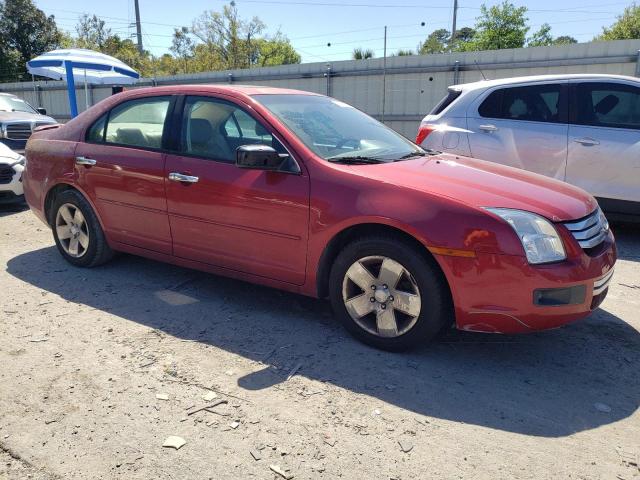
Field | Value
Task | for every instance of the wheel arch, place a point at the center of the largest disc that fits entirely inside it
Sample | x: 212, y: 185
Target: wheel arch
x: 368, y: 229
x: 56, y: 190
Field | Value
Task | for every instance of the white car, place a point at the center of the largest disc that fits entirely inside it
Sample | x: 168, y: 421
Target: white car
x: 11, y: 168
x: 582, y: 129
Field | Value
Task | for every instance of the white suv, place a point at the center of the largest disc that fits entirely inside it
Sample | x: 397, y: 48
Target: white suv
x: 11, y: 168
x: 582, y: 129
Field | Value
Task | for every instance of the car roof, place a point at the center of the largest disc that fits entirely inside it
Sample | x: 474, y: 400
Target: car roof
x: 242, y: 90
x: 482, y: 84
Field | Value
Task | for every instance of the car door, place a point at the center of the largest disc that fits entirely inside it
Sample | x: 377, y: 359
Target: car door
x: 523, y: 126
x: 121, y: 166
x: 604, y: 140
x: 252, y: 221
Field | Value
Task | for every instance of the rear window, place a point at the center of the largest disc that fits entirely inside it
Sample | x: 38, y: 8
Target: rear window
x: 445, y: 102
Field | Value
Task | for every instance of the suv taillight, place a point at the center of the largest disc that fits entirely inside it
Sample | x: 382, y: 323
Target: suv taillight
x: 423, y: 133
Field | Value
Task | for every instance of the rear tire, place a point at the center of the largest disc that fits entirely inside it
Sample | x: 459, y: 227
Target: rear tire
x: 77, y: 231
x: 411, y: 301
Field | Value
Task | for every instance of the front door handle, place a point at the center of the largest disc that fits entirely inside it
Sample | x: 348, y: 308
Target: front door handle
x: 488, y: 128
x: 587, y: 141
x: 85, y: 161
x: 179, y: 177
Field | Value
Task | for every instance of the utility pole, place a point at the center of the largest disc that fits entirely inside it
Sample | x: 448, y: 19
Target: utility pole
x: 138, y: 27
x: 249, y: 50
x: 453, y: 27
x: 384, y: 74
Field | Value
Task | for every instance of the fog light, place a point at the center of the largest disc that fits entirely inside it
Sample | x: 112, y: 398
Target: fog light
x: 553, y: 297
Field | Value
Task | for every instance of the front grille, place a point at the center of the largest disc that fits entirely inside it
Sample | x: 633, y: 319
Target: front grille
x: 18, y: 131
x: 589, y: 231
x: 6, y: 174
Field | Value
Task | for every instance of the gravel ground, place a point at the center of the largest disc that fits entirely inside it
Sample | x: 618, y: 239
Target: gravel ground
x: 88, y: 356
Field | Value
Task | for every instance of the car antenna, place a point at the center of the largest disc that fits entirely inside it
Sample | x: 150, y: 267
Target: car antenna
x: 479, y: 69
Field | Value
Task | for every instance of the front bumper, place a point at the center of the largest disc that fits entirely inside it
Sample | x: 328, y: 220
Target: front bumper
x: 13, y: 191
x: 497, y: 293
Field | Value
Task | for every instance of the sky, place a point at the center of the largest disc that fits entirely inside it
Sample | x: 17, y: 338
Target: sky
x: 345, y: 24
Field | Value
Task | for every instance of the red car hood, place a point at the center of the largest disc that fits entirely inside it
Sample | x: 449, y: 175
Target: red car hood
x: 485, y: 184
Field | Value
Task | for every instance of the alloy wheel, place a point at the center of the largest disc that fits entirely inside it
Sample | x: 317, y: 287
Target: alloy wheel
x: 381, y: 296
x: 72, y: 230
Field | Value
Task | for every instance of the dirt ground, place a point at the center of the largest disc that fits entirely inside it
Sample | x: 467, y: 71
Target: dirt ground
x: 85, y: 354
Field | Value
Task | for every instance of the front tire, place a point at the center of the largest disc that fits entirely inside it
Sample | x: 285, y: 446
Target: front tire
x: 389, y: 294
x: 77, y: 231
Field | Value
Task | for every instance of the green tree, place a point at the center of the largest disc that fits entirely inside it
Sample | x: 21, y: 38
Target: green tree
x: 499, y: 26
x: 564, y: 40
x: 464, y: 34
x: 276, y: 50
x: 182, y: 46
x: 92, y: 32
x: 542, y: 37
x: 362, y: 54
x: 627, y: 27
x: 228, y: 37
x: 403, y: 53
x: 25, y: 32
x: 436, y: 42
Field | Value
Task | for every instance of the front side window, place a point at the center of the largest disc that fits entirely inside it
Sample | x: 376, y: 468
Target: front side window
x: 95, y: 134
x: 136, y: 123
x: 334, y: 130
x: 607, y: 105
x: 214, y: 129
x: 535, y: 103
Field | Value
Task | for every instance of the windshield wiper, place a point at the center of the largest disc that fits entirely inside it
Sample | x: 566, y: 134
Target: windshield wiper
x: 355, y: 160
x: 427, y: 151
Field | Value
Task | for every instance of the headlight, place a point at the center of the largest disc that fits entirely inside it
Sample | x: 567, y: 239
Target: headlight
x: 21, y: 161
x: 540, y: 240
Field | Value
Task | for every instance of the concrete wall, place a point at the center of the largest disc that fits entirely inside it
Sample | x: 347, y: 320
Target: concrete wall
x: 414, y: 84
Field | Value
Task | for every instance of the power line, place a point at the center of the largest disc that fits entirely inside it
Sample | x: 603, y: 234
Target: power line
x: 367, y: 5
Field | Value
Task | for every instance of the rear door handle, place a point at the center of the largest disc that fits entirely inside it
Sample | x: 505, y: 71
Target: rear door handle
x: 488, y: 128
x: 85, y: 161
x: 179, y: 177
x: 587, y: 141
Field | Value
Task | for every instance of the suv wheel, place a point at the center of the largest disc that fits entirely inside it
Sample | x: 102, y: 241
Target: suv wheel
x: 77, y: 231
x: 388, y: 294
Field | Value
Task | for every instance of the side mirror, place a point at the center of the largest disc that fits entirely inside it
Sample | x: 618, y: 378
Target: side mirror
x: 259, y: 157
x: 41, y: 111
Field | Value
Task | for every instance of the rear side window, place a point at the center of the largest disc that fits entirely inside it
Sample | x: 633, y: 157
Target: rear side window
x: 136, y: 123
x: 535, y: 103
x: 607, y: 105
x: 445, y: 102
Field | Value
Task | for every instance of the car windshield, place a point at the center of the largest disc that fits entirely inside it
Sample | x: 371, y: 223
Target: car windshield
x: 338, y: 132
x: 14, y: 104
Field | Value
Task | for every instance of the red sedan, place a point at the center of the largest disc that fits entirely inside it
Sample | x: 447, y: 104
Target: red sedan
x: 305, y: 193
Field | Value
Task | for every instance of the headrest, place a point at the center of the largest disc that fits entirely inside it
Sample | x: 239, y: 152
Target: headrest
x: 201, y: 130
x: 261, y: 131
x: 607, y: 104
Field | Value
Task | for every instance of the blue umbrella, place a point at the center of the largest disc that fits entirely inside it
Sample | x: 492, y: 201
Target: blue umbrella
x: 77, y: 64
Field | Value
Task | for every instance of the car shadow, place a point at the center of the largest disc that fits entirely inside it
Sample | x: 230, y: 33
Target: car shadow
x: 627, y: 240
x: 545, y: 384
x: 12, y: 209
